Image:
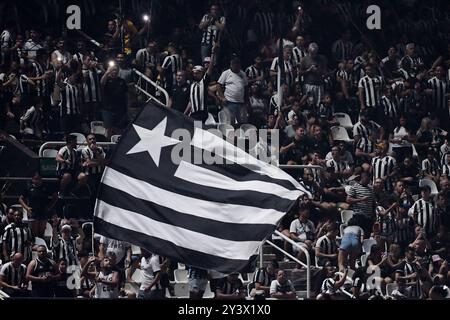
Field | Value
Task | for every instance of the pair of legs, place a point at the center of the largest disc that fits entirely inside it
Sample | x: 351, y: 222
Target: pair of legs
x: 38, y: 227
x: 236, y: 112
x: 349, y: 251
x: 197, y: 288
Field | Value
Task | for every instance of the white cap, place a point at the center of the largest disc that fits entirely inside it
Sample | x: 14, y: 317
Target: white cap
x: 198, y: 68
x: 66, y: 227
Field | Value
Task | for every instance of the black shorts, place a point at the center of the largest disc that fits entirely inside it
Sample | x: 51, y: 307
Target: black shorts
x: 200, y: 115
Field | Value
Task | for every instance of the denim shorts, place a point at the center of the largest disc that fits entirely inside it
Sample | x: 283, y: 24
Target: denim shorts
x: 350, y: 242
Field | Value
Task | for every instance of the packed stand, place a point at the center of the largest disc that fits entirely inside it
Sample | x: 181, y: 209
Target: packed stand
x: 368, y: 113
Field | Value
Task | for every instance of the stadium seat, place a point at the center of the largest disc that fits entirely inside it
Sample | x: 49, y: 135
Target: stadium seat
x: 41, y: 242
x: 210, y: 120
x: 364, y: 260
x: 115, y: 138
x: 226, y: 129
x: 340, y: 134
x: 97, y: 127
x: 250, y: 276
x: 346, y: 215
x: 48, y: 231
x: 367, y: 245
x: 245, y: 282
x: 390, y: 287
x: 223, y: 117
x: 80, y: 137
x: 208, y: 293
x: 137, y: 276
x: 431, y: 184
x: 344, y: 120
x: 135, y: 250
x: 49, y: 153
x: 181, y: 290
x: 180, y: 275
x: 248, y: 129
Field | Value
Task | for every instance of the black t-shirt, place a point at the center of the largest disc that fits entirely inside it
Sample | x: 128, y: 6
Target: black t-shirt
x: 115, y: 95
x: 300, y: 150
x: 321, y: 146
x: 37, y: 197
x: 180, y: 97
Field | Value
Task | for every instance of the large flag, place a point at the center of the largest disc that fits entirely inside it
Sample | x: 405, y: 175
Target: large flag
x: 211, y: 216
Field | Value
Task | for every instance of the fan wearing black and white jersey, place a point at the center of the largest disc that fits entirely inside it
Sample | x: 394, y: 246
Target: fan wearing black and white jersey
x: 211, y: 25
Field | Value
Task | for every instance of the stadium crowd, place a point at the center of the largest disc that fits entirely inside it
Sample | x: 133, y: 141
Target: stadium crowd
x: 368, y: 111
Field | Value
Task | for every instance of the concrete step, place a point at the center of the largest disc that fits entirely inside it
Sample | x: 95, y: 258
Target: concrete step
x: 268, y: 249
x: 268, y: 257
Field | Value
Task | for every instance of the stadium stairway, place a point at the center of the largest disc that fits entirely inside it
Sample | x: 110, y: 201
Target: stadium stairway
x: 297, y: 276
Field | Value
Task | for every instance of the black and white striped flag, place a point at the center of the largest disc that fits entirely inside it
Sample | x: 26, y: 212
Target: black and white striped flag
x: 211, y: 216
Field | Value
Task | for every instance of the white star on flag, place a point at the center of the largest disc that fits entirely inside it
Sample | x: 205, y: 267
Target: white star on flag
x: 152, y: 140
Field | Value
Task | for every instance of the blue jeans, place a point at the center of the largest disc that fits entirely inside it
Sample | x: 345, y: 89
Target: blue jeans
x: 236, y: 112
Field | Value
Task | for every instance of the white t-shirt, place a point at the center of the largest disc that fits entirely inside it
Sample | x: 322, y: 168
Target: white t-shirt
x: 302, y: 229
x: 32, y: 47
x: 106, y: 291
x: 275, y: 287
x: 234, y: 85
x: 149, y: 266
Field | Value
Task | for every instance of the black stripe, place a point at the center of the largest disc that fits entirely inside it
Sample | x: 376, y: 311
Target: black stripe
x: 214, y: 228
x: 168, y: 249
x: 165, y: 180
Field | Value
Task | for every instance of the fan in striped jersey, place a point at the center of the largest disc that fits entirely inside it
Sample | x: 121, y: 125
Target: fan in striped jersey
x: 211, y: 216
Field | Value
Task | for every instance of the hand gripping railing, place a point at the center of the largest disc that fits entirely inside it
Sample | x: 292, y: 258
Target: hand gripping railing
x: 308, y: 260
x: 141, y: 84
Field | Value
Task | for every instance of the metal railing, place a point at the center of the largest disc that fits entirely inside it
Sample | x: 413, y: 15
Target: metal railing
x: 50, y: 144
x: 144, y: 80
x: 305, y: 251
x: 300, y: 166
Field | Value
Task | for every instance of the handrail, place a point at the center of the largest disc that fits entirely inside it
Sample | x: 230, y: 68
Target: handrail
x: 308, y: 260
x: 26, y: 179
x: 154, y: 84
x: 293, y: 258
x: 63, y: 143
x: 300, y: 166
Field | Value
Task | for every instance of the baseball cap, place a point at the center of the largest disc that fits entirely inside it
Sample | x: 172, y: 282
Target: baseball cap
x: 197, y: 68
x: 66, y: 227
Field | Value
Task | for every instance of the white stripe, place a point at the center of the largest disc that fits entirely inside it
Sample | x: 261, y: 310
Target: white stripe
x: 209, y: 178
x: 223, y: 212
x: 197, y: 241
x: 205, y: 140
